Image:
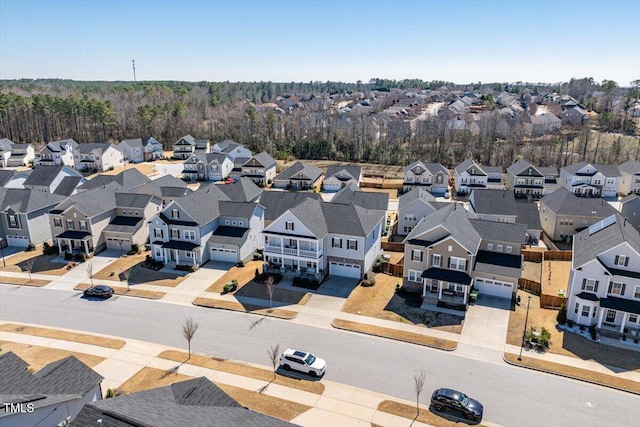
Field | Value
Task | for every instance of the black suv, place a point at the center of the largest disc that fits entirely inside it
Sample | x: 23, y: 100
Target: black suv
x: 457, y: 402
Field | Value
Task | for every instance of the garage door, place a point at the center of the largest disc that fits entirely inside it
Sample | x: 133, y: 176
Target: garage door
x: 113, y: 243
x: 227, y: 255
x: 19, y: 241
x: 346, y: 270
x: 494, y: 288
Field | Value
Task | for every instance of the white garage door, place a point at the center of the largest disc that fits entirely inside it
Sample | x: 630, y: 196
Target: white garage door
x: 346, y: 270
x: 19, y: 241
x: 227, y: 255
x: 494, y: 288
x: 113, y: 243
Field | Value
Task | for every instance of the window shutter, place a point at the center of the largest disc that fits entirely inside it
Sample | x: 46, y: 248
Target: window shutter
x: 420, y: 256
x: 449, y: 264
x: 595, y: 288
x: 610, y: 287
x: 626, y: 262
x: 616, y: 261
x: 356, y: 245
x: 584, y: 284
x: 624, y: 285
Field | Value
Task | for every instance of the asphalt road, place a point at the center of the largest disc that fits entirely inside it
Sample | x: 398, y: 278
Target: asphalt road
x: 511, y: 396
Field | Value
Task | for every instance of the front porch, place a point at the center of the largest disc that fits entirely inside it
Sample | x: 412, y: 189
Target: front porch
x: 446, y: 288
x: 175, y: 252
x: 291, y: 270
x: 615, y: 322
x: 74, y: 242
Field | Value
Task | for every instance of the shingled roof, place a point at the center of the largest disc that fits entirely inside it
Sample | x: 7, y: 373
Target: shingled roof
x: 25, y: 201
x: 564, y: 202
x: 278, y: 202
x: 586, y: 246
x: 493, y: 202
x: 351, y: 194
x: 311, y: 172
x: 128, y: 179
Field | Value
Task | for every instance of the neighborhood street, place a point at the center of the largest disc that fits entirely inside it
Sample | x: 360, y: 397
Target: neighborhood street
x: 511, y: 396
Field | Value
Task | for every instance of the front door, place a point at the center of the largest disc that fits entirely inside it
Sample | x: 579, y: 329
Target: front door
x: 611, y: 316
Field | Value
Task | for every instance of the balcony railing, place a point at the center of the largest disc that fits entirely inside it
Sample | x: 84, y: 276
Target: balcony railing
x: 292, y: 251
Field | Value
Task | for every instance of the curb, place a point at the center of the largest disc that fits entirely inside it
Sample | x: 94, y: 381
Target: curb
x: 393, y: 338
x: 246, y: 312
x: 520, y: 365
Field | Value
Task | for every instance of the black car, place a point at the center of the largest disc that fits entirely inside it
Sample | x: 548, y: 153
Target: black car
x: 99, y: 291
x: 457, y: 402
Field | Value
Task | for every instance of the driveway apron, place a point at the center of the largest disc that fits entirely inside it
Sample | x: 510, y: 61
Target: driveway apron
x: 485, y: 329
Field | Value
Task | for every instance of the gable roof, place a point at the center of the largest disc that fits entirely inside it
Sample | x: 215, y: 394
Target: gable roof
x: 91, y: 203
x: 467, y: 164
x: 5, y: 176
x: 243, y: 190
x: 564, y: 202
x: 278, y: 202
x: 127, y: 179
x: 351, y: 220
x: 521, y: 166
x: 22, y: 200
x: 414, y: 194
x: 493, y: 202
x: 68, y: 185
x: 265, y: 160
x: 548, y: 170
x: 587, y: 247
x: 606, y: 170
x: 57, y: 146
x: 352, y: 172
x: 351, y: 194
x: 310, y: 214
x: 434, y: 168
x: 87, y: 148
x: 186, y: 140
x: 237, y: 209
x: 630, y: 166
x: 192, y: 403
x: 201, y: 205
x: 500, y: 231
x: 529, y: 215
x: 131, y: 200
x: 630, y: 198
x: 45, y: 174
x: 311, y: 172
x: 6, y: 144
x: 227, y: 145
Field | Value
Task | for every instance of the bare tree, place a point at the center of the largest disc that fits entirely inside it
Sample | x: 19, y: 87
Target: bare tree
x: 89, y: 268
x: 271, y: 287
x: 274, y: 354
x: 189, y: 330
x: 28, y: 265
x: 126, y: 275
x: 418, y: 382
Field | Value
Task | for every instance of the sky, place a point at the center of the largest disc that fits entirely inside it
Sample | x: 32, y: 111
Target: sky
x: 462, y: 41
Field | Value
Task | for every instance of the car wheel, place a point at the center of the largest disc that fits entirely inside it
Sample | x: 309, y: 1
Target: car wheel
x: 471, y: 417
x: 439, y: 408
x: 313, y: 374
x: 287, y: 367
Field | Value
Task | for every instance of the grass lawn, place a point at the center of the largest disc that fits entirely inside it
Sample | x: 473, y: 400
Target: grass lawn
x: 555, y: 276
x: 566, y: 343
x: 246, y: 308
x: 382, y: 302
x: 148, y: 378
x: 24, y: 281
x: 42, y: 264
x: 222, y: 365
x: 121, y: 290
x: 138, y: 274
x: 411, y: 337
x: 37, y: 356
x: 532, y: 271
x: 265, y: 404
x: 63, y: 335
x: 426, y: 416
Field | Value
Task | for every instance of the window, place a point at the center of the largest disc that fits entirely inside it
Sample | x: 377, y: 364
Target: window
x: 57, y: 222
x: 407, y: 230
x: 509, y: 249
x: 416, y: 255
x: 336, y: 242
x: 414, y: 276
x: 157, y: 232
x: 188, y: 254
x: 288, y: 225
x: 456, y: 263
x: 175, y: 213
x: 83, y: 225
x: 616, y: 288
x: 622, y: 260
x: 611, y: 316
x: 586, y: 310
x: 450, y: 248
x: 636, y: 292
x: 69, y: 224
x: 436, y: 260
x: 575, y: 310
x: 352, y: 245
x: 489, y: 246
x: 633, y: 318
x: 434, y: 285
x: 175, y: 234
x: 499, y: 248
x: 158, y: 253
x: 190, y: 235
x: 409, y: 217
x: 590, y: 285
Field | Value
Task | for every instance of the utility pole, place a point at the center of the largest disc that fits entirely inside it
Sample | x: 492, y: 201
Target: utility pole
x: 134, y: 69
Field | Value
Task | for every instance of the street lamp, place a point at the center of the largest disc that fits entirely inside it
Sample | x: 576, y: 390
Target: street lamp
x: 524, y: 333
x: 2, y: 249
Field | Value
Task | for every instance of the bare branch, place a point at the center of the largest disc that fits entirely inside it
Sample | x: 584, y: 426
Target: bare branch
x: 189, y: 330
x: 274, y: 355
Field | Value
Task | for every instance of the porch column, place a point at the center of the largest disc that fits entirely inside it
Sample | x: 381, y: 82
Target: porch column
x: 86, y: 248
x: 177, y: 257
x: 424, y: 287
x: 59, y: 246
x: 439, y: 289
x: 193, y: 257
x: 466, y: 293
x: 600, y: 317
x: 625, y: 316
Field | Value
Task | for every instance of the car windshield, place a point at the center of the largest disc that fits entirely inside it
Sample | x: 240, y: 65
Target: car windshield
x: 464, y: 400
x: 309, y: 359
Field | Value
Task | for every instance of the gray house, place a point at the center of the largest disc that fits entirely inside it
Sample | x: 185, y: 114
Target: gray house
x: 630, y: 209
x: 432, y: 176
x: 413, y: 206
x: 298, y: 176
x: 493, y: 205
x: 54, y: 179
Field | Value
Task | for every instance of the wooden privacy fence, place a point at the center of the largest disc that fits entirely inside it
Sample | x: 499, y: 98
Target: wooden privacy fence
x: 551, y: 301
x: 558, y: 255
x: 393, y: 247
x: 532, y: 256
x: 529, y: 286
x: 392, y: 269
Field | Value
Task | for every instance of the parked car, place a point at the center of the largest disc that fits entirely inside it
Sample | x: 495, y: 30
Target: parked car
x: 444, y: 398
x: 99, y: 291
x: 303, y: 361
x: 230, y: 180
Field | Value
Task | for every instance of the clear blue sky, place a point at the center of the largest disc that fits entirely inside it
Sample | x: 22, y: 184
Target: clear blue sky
x: 283, y: 41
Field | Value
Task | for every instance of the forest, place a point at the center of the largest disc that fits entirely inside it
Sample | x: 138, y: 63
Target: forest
x: 38, y: 111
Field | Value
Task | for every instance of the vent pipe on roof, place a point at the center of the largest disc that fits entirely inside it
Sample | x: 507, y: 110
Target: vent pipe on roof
x: 625, y: 222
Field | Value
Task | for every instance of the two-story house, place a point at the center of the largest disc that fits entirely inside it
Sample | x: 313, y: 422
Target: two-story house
x: 261, y: 169
x: 97, y: 157
x: 493, y: 205
x: 139, y: 150
x: 630, y: 179
x: 298, y: 176
x: 23, y: 215
x: 591, y: 180
x: 166, y: 188
x: 314, y: 238
x: 630, y: 209
x: 470, y: 175
x: 184, y: 147
x: 231, y: 148
x: 525, y: 180
x: 277, y: 203
x: 574, y: 115
x: 207, y: 167
x: 413, y: 206
x: 21, y: 155
x: 338, y: 176
x: 352, y: 194
x: 243, y: 190
x: 551, y: 179
x: 431, y: 176
x: 128, y: 224
x: 604, y: 283
x: 563, y: 214
x: 57, y: 153
x: 239, y: 234
x: 5, y: 151
x: 61, y: 180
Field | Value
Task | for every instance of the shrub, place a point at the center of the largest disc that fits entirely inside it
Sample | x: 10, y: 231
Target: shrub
x: 30, y: 247
x: 110, y: 393
x: 184, y: 267
x: 80, y: 257
x: 570, y: 323
x: 68, y: 256
x: 135, y: 248
x: 229, y: 287
x: 367, y: 283
x: 235, y: 282
x: 240, y: 263
x: 296, y: 281
x: 314, y: 283
x: 304, y: 282
x: 561, y: 318
x: 257, y: 256
x: 47, y: 249
x: 582, y: 327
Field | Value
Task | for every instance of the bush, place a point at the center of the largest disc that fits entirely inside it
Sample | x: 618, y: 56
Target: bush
x: 257, y: 256
x: 296, y: 281
x: 110, y: 393
x: 49, y: 250
x: 592, y: 331
x: 582, y: 327
x: 79, y: 257
x: 368, y: 282
x: 135, y: 248
x: 230, y: 287
x: 570, y: 323
x: 240, y: 263
x: 561, y: 318
x: 235, y: 282
x: 68, y: 256
x: 184, y: 267
x: 30, y: 247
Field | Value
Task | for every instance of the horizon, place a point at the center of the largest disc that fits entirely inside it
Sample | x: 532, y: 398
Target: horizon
x: 463, y: 41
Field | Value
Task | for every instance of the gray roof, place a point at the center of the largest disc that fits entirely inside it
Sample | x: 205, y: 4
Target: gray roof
x: 217, y: 158
x: 500, y: 231
x: 492, y: 169
x: 493, y: 202
x: 166, y: 186
x: 188, y: 139
x: 351, y: 220
x: 45, y: 174
x: 606, y: 170
x: 629, y: 198
x: 65, y: 379
x: 92, y: 202
x: 125, y: 224
x: 521, y: 166
x: 454, y: 219
x: 136, y: 142
x: 630, y: 166
x: 587, y: 247
x: 351, y: 194
x: 265, y: 159
x: 310, y: 214
x: 201, y: 205
x: 25, y: 201
x: 127, y: 179
x: 529, y: 215
x: 562, y: 202
x: 466, y: 165
x: 57, y: 146
x: 237, y: 209
x: 229, y: 235
x: 244, y: 190
x: 192, y: 403
x: 434, y: 168
x: 5, y: 176
x: 278, y: 202
x: 87, y: 148
x: 546, y: 171
x: 132, y: 200
x: 238, y: 162
x: 311, y: 172
x: 351, y: 171
x: 495, y: 263
x: 227, y: 145
x: 416, y: 193
x: 68, y: 185
x: 6, y: 144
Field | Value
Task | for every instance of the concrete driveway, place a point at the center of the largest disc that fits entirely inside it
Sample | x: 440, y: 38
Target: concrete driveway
x: 337, y: 286
x: 485, y: 328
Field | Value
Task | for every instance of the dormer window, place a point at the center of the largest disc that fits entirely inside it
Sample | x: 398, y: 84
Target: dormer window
x: 175, y: 213
x: 288, y: 225
x: 622, y: 260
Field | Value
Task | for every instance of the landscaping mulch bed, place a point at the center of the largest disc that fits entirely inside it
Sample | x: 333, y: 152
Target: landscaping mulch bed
x: 42, y: 264
x: 63, y: 335
x: 265, y: 404
x: 24, y: 281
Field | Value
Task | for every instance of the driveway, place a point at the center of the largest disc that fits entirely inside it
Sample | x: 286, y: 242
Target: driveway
x: 337, y: 286
x: 485, y: 329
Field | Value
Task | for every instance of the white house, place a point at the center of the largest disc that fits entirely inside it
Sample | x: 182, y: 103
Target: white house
x: 261, y: 169
x: 57, y: 153
x: 338, y: 176
x: 470, y: 175
x: 207, y: 167
x: 97, y: 157
x: 5, y: 151
x: 140, y: 150
x: 232, y: 148
x: 432, y: 176
x: 591, y: 180
x: 21, y: 155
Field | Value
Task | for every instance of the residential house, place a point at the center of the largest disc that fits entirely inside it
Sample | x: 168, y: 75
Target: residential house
x: 56, y: 153
x: 298, y: 176
x: 128, y: 226
x: 525, y: 180
x: 277, y: 203
x: 542, y: 124
x: 630, y: 180
x: 21, y: 155
x: 314, y: 238
x: 630, y: 209
x: 529, y: 215
x: 23, y: 215
x: 563, y: 214
x: 238, y: 162
x: 54, y: 179
x: 97, y: 157
x: 231, y: 148
x: 574, y: 116
x: 146, y: 149
x: 5, y: 151
x: 413, y: 206
x: 51, y: 396
x: 470, y: 175
x: 243, y: 190
x: 13, y: 178
x: 195, y: 403
x: 128, y: 179
x: 551, y: 179
x: 181, y: 233
x: 493, y: 205
x: 207, y: 167
x: 261, y: 169
x: 338, y: 176
x: 351, y: 194
x: 432, y: 176
x: 202, y: 146
x: 591, y: 180
x: 604, y: 283
x: 184, y: 147
x: 167, y: 188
